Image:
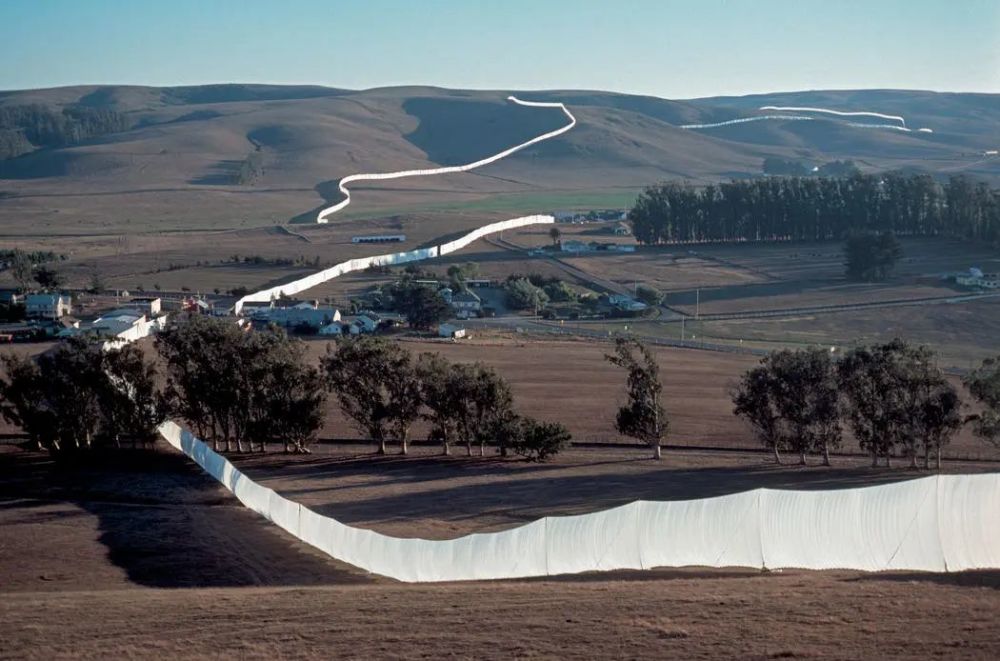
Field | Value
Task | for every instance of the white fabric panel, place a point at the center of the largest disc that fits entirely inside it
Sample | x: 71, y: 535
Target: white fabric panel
x: 284, y: 513
x: 893, y: 526
x: 252, y: 495
x: 360, y: 264
x: 710, y: 532
x: 968, y: 508
x: 329, y: 211
x: 600, y: 541
x: 937, y: 523
x: 815, y: 529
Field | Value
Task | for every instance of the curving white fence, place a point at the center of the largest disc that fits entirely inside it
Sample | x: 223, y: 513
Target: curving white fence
x: 361, y: 263
x: 826, y: 111
x: 329, y: 211
x: 839, y: 113
x: 939, y: 523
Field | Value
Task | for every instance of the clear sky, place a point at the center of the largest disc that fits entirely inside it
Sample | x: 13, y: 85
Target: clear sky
x: 668, y: 48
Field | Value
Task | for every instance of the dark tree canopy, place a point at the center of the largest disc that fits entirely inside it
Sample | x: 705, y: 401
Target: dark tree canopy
x: 984, y: 384
x: 422, y: 306
x: 817, y: 208
x: 871, y: 257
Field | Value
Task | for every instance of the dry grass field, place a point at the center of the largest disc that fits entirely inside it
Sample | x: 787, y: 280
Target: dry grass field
x: 143, y: 555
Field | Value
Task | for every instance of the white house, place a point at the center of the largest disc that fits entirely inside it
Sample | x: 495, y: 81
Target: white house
x: 117, y: 322
x: 976, y: 278
x: 363, y: 324
x: 466, y: 301
x: 573, y: 246
x: 451, y: 330
x: 47, y: 306
x: 148, y: 305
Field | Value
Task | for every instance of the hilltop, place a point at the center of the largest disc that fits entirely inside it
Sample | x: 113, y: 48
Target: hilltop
x: 132, y: 159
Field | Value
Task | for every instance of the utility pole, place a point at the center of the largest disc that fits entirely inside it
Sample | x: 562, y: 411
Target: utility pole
x: 682, y: 329
x: 697, y: 303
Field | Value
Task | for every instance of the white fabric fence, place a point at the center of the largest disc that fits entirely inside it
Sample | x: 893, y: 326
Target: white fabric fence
x: 937, y: 523
x: 451, y: 169
x: 361, y: 263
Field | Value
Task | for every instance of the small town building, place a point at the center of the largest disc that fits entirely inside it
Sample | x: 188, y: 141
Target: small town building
x: 117, y: 322
x: 148, y: 305
x: 466, y: 301
x: 332, y: 330
x: 362, y: 324
x: 11, y: 297
x: 379, y: 238
x: 573, y: 245
x: 47, y: 306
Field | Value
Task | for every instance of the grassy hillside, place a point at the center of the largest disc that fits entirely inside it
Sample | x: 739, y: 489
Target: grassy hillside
x: 228, y: 156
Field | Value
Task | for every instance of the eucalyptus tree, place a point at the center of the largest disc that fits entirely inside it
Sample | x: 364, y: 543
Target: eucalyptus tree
x: 643, y: 417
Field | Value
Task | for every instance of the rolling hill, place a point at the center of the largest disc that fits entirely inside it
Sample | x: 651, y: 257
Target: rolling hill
x: 130, y: 159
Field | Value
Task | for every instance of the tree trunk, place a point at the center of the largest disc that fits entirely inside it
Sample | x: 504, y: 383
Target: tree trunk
x: 468, y: 448
x: 802, y: 457
x: 874, y: 459
x: 777, y: 456
x: 657, y: 453
x: 381, y: 446
x: 913, y: 458
x: 888, y: 456
x: 403, y: 449
x: 826, y: 454
x: 937, y: 456
x: 445, y: 448
x: 927, y: 456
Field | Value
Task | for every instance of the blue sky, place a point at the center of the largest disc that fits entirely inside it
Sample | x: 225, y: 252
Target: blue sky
x: 674, y: 49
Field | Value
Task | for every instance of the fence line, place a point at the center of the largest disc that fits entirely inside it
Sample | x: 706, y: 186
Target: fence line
x: 939, y: 523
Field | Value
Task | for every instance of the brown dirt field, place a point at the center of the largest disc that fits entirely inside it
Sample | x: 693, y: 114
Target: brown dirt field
x: 569, y: 381
x: 94, y: 554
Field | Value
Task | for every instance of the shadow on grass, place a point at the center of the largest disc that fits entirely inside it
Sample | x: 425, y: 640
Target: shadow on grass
x: 165, y: 522
x: 980, y: 578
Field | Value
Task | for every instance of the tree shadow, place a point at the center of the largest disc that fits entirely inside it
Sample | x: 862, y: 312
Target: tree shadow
x: 980, y: 578
x: 165, y: 522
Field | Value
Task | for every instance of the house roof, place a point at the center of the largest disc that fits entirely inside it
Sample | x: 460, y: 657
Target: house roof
x: 465, y: 297
x: 44, y: 299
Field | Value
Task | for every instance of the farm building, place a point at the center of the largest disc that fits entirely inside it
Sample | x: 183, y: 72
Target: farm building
x: 466, y: 301
x: 362, y: 324
x: 573, y: 246
x: 332, y: 330
x: 48, y: 306
x: 298, y: 316
x: 148, y: 305
x: 976, y: 278
x: 379, y: 238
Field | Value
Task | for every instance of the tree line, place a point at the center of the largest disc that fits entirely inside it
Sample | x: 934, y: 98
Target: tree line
x: 817, y: 208
x: 245, y: 391
x: 26, y: 127
x: 892, y: 397
x: 78, y: 396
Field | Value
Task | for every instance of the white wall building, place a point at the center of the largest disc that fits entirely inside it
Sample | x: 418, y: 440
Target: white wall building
x: 47, y: 306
